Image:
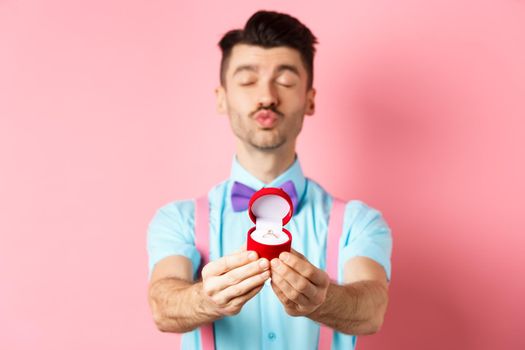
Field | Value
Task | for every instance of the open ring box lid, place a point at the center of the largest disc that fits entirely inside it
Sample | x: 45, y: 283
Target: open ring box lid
x: 270, y: 209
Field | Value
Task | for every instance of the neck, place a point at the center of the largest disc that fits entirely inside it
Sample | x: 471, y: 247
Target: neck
x: 265, y: 165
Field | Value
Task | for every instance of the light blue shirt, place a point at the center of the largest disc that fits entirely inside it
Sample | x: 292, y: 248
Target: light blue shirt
x: 262, y: 322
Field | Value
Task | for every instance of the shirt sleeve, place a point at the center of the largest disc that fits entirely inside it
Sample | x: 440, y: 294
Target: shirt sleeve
x: 171, y: 232
x: 365, y: 233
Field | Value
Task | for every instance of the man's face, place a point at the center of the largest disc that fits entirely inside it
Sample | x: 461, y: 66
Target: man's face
x: 265, y: 95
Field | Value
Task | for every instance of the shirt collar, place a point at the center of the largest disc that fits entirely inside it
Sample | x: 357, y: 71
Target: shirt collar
x: 294, y: 173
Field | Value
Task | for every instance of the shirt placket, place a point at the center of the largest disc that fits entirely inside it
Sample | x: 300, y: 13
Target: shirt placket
x: 272, y: 337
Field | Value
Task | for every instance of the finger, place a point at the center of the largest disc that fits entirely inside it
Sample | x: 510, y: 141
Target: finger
x: 232, y: 292
x: 238, y: 274
x: 227, y: 263
x: 289, y: 291
x: 295, y: 252
x: 216, y: 284
x: 241, y: 300
x: 282, y: 297
x: 305, y: 268
x: 295, y: 279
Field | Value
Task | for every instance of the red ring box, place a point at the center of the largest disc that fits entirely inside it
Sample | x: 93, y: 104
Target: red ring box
x: 270, y: 209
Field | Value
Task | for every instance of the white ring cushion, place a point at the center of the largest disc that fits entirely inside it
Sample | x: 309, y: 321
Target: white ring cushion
x: 269, y: 211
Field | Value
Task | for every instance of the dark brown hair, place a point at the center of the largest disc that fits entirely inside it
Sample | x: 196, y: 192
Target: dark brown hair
x: 270, y: 29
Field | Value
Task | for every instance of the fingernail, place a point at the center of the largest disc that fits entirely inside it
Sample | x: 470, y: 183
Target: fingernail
x: 284, y: 256
x: 265, y: 274
x: 263, y: 263
x: 252, y: 255
x: 275, y: 262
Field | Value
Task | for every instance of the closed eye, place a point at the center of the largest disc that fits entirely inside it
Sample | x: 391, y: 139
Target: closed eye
x: 286, y: 80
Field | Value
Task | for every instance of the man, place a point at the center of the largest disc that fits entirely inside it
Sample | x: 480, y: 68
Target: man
x: 266, y: 90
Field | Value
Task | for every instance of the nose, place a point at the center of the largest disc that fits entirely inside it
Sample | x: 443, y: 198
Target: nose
x: 267, y: 96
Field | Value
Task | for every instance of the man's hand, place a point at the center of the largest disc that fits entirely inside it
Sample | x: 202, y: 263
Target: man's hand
x: 229, y: 282
x: 300, y: 286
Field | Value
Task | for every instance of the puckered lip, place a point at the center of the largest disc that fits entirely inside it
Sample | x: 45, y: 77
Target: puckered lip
x: 265, y: 114
x: 266, y: 119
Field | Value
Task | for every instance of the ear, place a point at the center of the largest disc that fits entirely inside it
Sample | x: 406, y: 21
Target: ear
x: 220, y: 96
x: 310, y: 102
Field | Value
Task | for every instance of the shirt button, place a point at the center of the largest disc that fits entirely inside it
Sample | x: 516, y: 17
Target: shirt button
x: 271, y: 336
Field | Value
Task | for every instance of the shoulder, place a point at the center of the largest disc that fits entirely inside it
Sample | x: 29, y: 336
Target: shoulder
x: 354, y: 209
x: 357, y: 214
x: 170, y: 232
x: 365, y: 227
x: 366, y: 234
x: 177, y: 213
x: 358, y: 211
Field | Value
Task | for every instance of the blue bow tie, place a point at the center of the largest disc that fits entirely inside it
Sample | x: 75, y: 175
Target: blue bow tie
x: 241, y: 194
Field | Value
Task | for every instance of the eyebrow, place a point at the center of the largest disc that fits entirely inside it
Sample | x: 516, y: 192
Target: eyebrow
x: 245, y: 67
x: 279, y: 69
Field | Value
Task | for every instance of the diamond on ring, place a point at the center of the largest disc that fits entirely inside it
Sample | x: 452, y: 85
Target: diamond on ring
x: 269, y: 232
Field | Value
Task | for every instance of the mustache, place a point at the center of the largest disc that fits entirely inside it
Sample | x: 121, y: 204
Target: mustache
x: 271, y: 108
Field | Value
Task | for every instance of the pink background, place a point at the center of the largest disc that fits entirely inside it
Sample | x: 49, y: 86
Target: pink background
x: 107, y: 112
